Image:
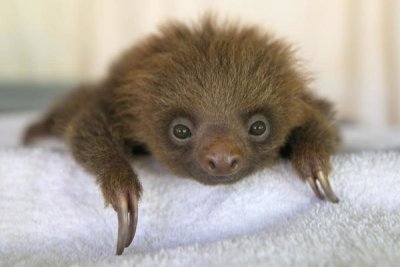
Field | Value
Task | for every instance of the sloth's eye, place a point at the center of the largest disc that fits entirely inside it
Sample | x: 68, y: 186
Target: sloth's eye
x: 257, y: 128
x: 181, y: 131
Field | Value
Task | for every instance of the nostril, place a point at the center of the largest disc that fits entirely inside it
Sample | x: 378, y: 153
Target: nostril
x: 211, y: 164
x: 234, y: 164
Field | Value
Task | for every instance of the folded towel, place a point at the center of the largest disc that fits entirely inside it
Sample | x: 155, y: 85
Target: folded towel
x: 52, y: 213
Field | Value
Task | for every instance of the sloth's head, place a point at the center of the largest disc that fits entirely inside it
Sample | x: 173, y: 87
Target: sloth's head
x: 215, y: 102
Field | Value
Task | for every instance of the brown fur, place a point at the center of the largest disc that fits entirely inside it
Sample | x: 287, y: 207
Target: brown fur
x: 215, y: 76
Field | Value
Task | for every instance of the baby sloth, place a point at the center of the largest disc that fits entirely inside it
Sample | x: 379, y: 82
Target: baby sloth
x: 212, y: 102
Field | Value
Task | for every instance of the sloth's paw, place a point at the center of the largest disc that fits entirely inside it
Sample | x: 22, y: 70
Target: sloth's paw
x: 313, y: 166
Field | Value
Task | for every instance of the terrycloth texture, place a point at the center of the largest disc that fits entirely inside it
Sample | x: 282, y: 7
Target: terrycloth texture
x: 52, y: 214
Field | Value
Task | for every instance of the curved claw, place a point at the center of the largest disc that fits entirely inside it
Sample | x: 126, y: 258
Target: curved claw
x: 122, y: 211
x: 313, y: 185
x: 133, y: 218
x: 324, y: 182
x: 127, y: 205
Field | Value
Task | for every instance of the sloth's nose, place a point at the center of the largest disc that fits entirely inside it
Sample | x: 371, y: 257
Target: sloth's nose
x: 221, y: 156
x: 222, y: 164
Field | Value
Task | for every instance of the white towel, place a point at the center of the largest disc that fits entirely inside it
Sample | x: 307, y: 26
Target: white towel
x: 52, y: 213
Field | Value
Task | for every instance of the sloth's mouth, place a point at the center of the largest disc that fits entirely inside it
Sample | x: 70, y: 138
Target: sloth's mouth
x: 222, y: 178
x: 219, y: 180
x: 216, y: 179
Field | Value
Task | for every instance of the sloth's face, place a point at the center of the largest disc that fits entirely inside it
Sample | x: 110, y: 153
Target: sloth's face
x: 215, y: 150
